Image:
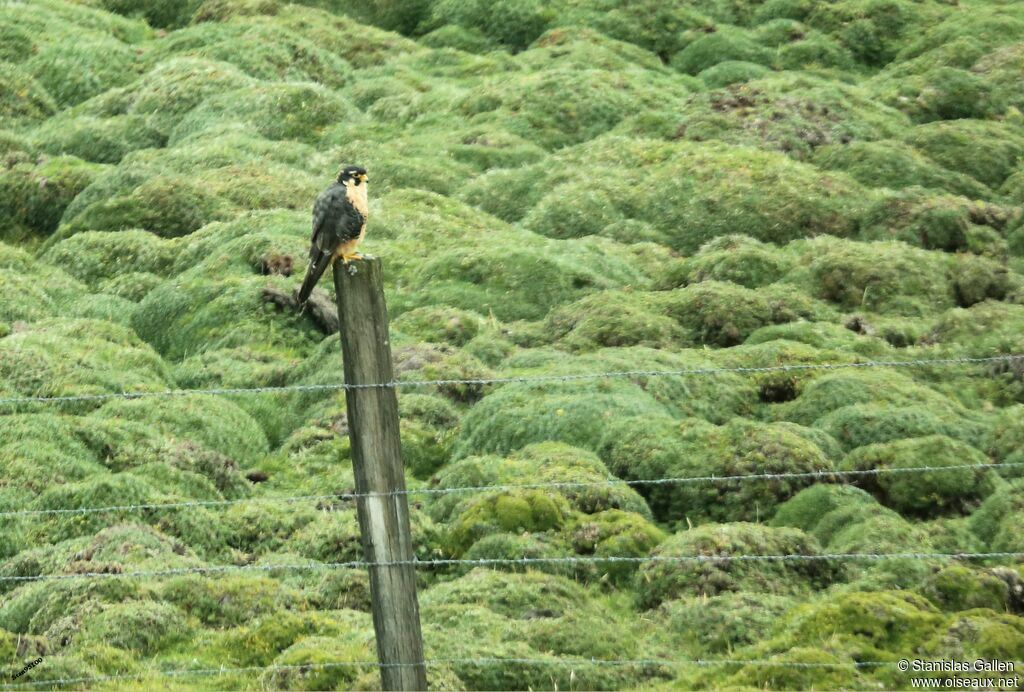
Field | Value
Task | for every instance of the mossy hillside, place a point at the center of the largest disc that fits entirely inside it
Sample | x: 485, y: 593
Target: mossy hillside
x: 261, y: 50
x: 110, y: 358
x: 940, y: 491
x: 794, y: 114
x: 579, y: 413
x: 831, y: 391
x: 858, y: 425
x: 953, y: 145
x: 100, y: 140
x: 893, y: 164
x: 663, y: 580
x: 694, y: 450
x: 551, y: 195
x: 35, y: 196
x: 671, y: 187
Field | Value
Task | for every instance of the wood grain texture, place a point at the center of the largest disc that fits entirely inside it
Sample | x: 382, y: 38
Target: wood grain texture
x: 377, y: 462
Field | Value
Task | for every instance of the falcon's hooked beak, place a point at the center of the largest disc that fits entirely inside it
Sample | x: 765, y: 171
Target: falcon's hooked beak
x: 362, y: 177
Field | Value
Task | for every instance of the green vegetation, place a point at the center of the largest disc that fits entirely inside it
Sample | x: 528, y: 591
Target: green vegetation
x: 714, y: 188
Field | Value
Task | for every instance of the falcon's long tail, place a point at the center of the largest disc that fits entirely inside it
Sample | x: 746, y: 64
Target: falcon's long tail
x: 313, y: 273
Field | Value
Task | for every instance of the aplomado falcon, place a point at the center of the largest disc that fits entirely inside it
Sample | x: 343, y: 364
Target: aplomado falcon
x: 339, y: 224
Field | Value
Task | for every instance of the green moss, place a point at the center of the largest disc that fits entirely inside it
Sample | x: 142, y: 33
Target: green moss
x: 794, y: 113
x: 723, y: 44
x: 986, y: 28
x: 261, y: 528
x: 987, y: 151
x: 863, y: 424
x: 75, y: 71
x: 736, y: 258
x: 722, y: 623
x: 586, y: 48
x: 832, y: 391
x: 989, y: 327
x: 931, y: 493
x: 167, y: 206
x: 995, y: 520
x: 510, y: 595
x: 548, y: 547
x: 615, y: 318
x: 813, y: 51
x: 515, y: 511
x: 518, y: 414
x: 959, y: 587
x: 34, y: 196
x: 63, y: 21
x: 800, y: 667
x: 660, y: 28
x: 165, y: 14
x: 767, y: 195
x: 108, y: 358
x: 868, y: 622
x: 819, y: 335
x: 439, y: 325
x: 664, y: 449
x: 873, y: 30
x: 659, y: 581
x: 232, y: 314
x: 614, y: 533
x: 547, y: 462
x: 882, y: 277
x: 137, y: 626
x: 559, y: 107
x: 515, y: 24
x: 717, y: 313
x: 296, y: 667
x: 216, y: 423
x: 102, y: 140
x: 343, y: 588
x: 893, y: 164
x: 728, y: 72
x: 941, y: 222
x: 276, y: 111
x: 262, y: 50
x: 1002, y: 68
x: 24, y: 98
x: 230, y: 601
x: 942, y: 93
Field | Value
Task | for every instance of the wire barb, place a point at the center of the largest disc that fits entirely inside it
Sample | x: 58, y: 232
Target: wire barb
x: 525, y: 561
x: 568, y: 662
x: 558, y: 485
x: 686, y: 372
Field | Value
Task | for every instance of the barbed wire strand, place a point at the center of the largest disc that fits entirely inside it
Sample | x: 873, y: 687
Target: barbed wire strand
x: 480, y: 562
x: 579, y: 662
x: 933, y: 362
x: 682, y: 480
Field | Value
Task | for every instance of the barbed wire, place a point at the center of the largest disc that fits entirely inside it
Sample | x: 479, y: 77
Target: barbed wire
x: 525, y: 561
x: 577, y: 662
x: 685, y: 372
x: 682, y: 480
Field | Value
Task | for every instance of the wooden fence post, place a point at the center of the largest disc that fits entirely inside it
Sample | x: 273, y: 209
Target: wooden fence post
x: 377, y: 463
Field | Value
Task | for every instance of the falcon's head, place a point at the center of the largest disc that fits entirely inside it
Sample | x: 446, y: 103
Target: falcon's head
x: 352, y: 175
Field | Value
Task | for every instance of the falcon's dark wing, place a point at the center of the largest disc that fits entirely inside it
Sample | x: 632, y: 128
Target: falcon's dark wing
x: 335, y: 221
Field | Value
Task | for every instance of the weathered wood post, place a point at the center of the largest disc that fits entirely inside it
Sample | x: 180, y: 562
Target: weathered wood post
x: 377, y: 462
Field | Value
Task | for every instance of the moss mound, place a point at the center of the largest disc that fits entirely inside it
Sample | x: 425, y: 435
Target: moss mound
x: 667, y: 449
x: 791, y: 113
x: 933, y: 492
x: 75, y: 71
x: 662, y: 580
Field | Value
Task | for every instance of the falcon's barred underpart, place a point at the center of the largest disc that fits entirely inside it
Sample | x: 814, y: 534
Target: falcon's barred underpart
x: 339, y: 224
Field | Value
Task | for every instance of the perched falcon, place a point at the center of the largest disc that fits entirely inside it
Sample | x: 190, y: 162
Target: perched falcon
x: 339, y: 224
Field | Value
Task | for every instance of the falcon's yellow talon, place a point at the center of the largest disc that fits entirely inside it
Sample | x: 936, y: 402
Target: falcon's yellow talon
x: 354, y: 256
